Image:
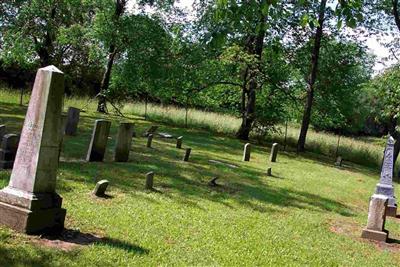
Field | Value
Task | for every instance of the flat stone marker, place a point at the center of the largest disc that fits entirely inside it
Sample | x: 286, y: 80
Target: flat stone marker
x: 274, y: 152
x: 213, y: 182
x: 179, y: 142
x: 375, y: 229
x: 151, y: 130
x: 29, y: 203
x: 149, y: 140
x: 269, y: 171
x: 385, y: 185
x: 124, y: 141
x: 98, y: 142
x: 2, y: 132
x: 100, y: 189
x: 71, y: 125
x: 246, y: 152
x: 165, y: 135
x: 187, y: 154
x: 8, y: 150
x: 149, y: 180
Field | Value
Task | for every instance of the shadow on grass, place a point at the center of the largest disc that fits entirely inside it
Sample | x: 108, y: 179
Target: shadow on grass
x: 68, y: 238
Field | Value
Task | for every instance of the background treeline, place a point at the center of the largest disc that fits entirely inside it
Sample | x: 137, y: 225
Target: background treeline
x: 267, y: 62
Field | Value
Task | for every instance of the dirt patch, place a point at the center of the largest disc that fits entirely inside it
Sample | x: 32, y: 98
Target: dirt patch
x: 353, y: 230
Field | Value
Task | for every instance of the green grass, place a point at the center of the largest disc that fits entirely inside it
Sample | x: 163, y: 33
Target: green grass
x: 308, y: 213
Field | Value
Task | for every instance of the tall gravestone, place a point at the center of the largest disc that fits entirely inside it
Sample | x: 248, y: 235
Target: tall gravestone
x: 71, y: 125
x: 385, y: 185
x: 98, y: 142
x: 124, y: 141
x: 29, y: 203
x: 274, y: 152
x: 8, y: 150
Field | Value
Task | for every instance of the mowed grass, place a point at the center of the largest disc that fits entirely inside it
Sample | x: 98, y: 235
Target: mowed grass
x: 308, y: 213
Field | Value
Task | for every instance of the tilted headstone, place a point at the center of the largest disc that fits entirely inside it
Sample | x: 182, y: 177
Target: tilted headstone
x: 385, y: 185
x: 274, y: 152
x: 124, y: 141
x: 2, y: 131
x: 179, y: 142
x: 71, y: 125
x: 98, y: 142
x: 8, y: 150
x: 246, y: 152
x: 151, y: 130
x: 149, y: 180
x: 187, y: 154
x: 149, y: 140
x: 29, y: 203
x: 101, y: 187
x: 375, y: 229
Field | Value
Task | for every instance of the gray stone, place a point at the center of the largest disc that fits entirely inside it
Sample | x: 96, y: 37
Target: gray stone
x: 385, y: 185
x: 149, y: 180
x: 375, y: 229
x: 8, y: 150
x: 149, y: 140
x: 179, y: 142
x: 269, y: 171
x: 165, y: 135
x: 246, y: 152
x: 213, y: 182
x: 2, y: 132
x: 151, y: 130
x: 29, y: 203
x: 101, y: 187
x: 71, y: 125
x: 339, y: 161
x: 187, y: 154
x: 98, y: 142
x: 274, y: 152
x: 124, y: 141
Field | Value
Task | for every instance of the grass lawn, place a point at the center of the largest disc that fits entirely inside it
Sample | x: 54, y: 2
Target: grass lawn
x: 308, y: 213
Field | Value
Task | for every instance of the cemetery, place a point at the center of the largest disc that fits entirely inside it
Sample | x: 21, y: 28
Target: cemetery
x: 199, y: 133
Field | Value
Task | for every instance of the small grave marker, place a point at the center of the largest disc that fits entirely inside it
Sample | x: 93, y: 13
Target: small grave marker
x: 149, y: 180
x: 246, y: 152
x: 274, y: 152
x: 101, y: 187
x: 269, y: 171
x: 179, y: 142
x: 375, y: 229
x: 8, y: 150
x: 149, y: 140
x: 71, y: 125
x: 187, y: 154
x: 124, y: 141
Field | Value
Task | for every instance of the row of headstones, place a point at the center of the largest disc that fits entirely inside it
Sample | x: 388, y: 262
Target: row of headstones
x: 272, y: 158
x: 98, y: 142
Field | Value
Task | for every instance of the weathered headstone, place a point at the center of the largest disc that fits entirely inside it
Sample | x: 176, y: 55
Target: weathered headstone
x: 375, y: 229
x: 151, y: 130
x: 8, y: 150
x: 187, y: 154
x: 71, y: 125
x: 101, y: 187
x: 385, y: 185
x: 269, y: 171
x: 2, y: 131
x: 149, y: 180
x: 124, y: 141
x: 179, y: 142
x: 246, y: 152
x: 29, y: 203
x: 213, y: 182
x: 149, y: 140
x: 339, y: 161
x: 274, y: 152
x: 98, y: 142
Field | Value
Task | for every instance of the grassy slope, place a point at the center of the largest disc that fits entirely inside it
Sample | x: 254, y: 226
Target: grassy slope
x: 308, y: 213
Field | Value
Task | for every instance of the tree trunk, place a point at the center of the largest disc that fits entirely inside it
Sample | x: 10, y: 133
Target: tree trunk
x: 254, y: 46
x: 312, y: 79
x: 102, y: 103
